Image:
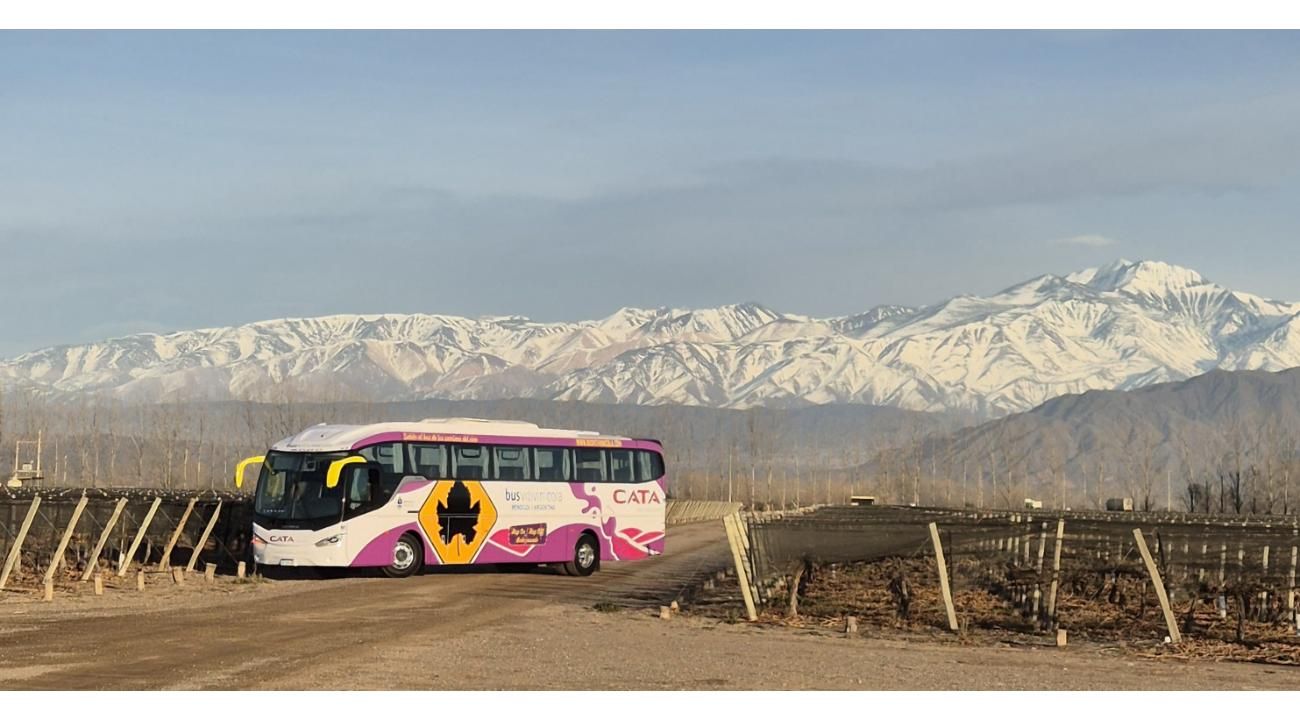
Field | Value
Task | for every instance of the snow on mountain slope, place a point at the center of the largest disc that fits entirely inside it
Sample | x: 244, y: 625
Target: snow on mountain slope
x: 1122, y: 325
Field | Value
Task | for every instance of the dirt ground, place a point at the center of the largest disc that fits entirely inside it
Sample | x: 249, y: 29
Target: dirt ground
x: 512, y: 630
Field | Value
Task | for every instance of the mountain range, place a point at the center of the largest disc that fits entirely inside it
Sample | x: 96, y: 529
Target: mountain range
x: 1147, y: 443
x: 1121, y: 326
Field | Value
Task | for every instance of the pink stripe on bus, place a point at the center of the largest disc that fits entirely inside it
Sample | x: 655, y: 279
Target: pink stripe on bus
x: 503, y: 440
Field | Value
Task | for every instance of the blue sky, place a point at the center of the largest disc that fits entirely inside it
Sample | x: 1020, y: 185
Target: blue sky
x: 162, y: 181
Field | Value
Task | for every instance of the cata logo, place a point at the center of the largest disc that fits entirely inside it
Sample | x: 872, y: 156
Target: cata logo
x: 637, y: 497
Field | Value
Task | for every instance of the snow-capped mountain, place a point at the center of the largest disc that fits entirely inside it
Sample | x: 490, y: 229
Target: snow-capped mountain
x: 1120, y: 326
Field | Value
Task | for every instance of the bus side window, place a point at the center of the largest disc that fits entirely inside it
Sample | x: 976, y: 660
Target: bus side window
x: 363, y: 484
x: 552, y: 463
x: 649, y: 466
x: 620, y: 466
x: 510, y: 463
x: 430, y: 461
x: 391, y: 458
x: 591, y: 465
x: 469, y: 462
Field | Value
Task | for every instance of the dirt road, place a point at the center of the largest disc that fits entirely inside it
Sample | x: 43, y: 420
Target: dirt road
x: 281, y: 633
x: 460, y: 630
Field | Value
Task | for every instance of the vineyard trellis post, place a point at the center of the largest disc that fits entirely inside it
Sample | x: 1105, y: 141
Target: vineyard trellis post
x: 103, y: 539
x: 1028, y: 541
x: 943, y: 577
x: 1056, y: 573
x: 56, y: 560
x: 166, y: 560
x: 1154, y: 573
x: 1263, y: 594
x: 731, y: 524
x: 139, y: 536
x: 1290, y: 595
x: 1038, y: 582
x: 203, y: 539
x: 15, y: 552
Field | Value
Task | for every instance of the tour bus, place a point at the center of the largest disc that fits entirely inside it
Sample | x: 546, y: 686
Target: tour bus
x: 456, y: 491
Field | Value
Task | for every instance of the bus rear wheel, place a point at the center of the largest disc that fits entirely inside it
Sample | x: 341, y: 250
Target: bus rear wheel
x: 408, y: 557
x: 586, y: 558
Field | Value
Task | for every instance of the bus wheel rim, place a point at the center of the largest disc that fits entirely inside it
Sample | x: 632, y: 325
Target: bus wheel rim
x: 586, y: 555
x: 403, y: 556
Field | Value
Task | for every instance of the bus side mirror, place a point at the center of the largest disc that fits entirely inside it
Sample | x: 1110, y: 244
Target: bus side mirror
x: 336, y: 467
x: 243, y: 464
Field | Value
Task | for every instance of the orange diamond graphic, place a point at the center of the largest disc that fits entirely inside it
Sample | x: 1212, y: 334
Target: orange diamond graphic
x: 458, y: 517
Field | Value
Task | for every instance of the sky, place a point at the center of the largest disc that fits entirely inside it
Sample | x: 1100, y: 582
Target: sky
x: 174, y: 180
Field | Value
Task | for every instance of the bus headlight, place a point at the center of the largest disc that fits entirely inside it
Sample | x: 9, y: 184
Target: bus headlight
x: 331, y: 540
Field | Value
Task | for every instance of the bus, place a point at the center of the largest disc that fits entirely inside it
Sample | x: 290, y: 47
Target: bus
x: 400, y: 496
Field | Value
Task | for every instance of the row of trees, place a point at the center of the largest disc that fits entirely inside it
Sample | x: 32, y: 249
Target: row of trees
x: 756, y: 457
x: 767, y: 457
x: 1230, y: 467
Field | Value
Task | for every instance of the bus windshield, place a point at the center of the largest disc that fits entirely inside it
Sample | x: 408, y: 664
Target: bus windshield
x: 291, y: 489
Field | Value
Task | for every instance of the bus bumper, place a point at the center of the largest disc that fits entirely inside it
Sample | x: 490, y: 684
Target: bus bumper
x: 299, y: 548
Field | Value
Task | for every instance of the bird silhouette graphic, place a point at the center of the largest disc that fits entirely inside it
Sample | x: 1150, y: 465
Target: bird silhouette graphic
x: 458, y: 516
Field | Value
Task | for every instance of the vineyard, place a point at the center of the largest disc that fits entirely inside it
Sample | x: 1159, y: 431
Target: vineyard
x: 65, y: 535
x: 1168, y: 584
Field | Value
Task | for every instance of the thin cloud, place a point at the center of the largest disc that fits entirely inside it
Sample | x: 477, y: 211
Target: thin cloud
x: 1087, y: 241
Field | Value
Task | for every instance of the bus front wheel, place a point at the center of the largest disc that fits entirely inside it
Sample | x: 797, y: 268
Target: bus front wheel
x: 408, y: 557
x: 586, y: 557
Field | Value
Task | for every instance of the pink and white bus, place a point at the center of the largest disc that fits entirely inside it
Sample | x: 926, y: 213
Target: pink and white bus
x: 456, y: 491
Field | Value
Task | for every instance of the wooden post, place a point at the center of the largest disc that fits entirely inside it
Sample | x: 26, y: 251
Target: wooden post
x: 1223, y: 563
x: 1038, y: 584
x: 1263, y: 594
x: 210, y: 573
x: 57, y: 559
x: 139, y: 580
x: 1290, y: 594
x: 99, y: 583
x: 1170, y: 623
x: 1028, y: 540
x: 1056, y: 572
x: 176, y: 535
x: 730, y: 524
x: 49, y: 590
x: 1042, y: 547
x: 203, y: 539
x: 16, y: 551
x: 742, y: 532
x: 139, y: 536
x: 240, y: 570
x: 943, y: 577
x: 103, y: 539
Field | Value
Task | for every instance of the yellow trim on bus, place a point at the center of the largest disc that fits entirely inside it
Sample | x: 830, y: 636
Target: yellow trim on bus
x: 336, y: 467
x: 243, y: 464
